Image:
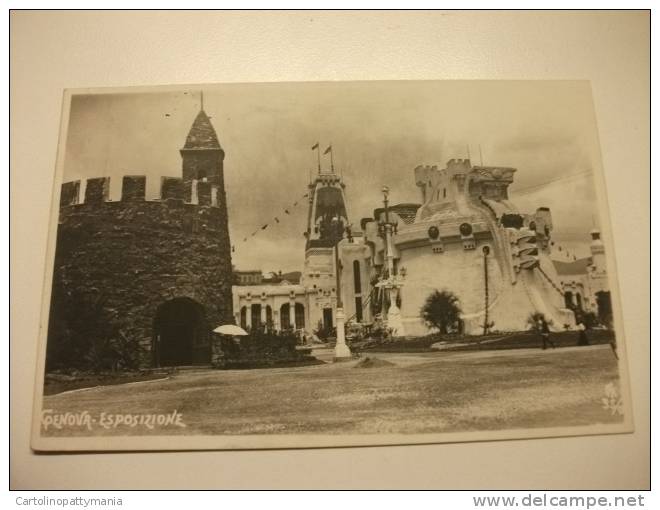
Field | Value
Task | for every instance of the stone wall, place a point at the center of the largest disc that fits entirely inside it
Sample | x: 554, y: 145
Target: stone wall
x: 138, y: 254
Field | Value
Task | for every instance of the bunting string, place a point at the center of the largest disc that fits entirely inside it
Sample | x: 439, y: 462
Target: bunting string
x: 277, y: 219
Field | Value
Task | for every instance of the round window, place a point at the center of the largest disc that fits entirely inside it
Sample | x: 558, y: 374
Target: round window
x: 466, y: 229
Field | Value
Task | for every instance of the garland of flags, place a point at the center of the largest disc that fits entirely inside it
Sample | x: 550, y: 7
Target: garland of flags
x: 287, y: 211
x: 569, y: 254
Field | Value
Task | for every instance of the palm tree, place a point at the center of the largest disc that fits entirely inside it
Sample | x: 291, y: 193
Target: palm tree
x: 442, y: 311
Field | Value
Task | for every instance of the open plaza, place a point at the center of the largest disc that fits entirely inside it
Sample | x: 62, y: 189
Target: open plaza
x: 378, y: 393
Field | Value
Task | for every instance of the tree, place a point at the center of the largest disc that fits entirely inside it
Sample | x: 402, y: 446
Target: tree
x: 442, y: 311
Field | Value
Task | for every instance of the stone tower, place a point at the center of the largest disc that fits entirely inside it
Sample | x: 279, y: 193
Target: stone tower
x: 154, y: 273
x: 327, y: 218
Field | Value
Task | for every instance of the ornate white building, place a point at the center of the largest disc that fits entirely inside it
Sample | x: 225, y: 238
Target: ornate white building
x: 311, y: 304
x: 584, y: 281
x: 465, y: 236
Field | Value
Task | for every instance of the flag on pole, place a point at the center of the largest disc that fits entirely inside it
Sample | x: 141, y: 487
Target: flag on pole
x: 329, y: 149
x: 315, y: 146
x: 277, y: 220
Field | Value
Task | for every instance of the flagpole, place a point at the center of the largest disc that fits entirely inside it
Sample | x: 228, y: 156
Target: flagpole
x: 332, y: 164
x: 318, y: 155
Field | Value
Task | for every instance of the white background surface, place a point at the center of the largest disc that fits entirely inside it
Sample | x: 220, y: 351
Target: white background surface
x: 53, y: 51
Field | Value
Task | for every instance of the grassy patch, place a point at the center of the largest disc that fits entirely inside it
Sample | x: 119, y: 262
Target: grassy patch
x: 529, y: 340
x: 495, y: 341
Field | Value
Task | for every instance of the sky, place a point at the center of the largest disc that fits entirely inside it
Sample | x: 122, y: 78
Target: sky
x: 380, y: 131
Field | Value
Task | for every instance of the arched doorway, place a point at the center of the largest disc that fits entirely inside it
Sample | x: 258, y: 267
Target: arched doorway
x: 181, y: 334
x: 255, y: 312
x: 604, y: 304
x: 568, y: 299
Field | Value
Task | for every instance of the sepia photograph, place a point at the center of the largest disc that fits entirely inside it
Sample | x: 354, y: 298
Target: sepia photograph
x: 323, y: 264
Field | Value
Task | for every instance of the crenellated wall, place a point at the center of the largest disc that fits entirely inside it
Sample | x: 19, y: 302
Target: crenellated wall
x: 133, y: 188
x: 137, y: 254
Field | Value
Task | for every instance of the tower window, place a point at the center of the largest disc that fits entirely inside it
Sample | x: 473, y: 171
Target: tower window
x: 356, y: 277
x: 358, y: 309
x: 444, y: 192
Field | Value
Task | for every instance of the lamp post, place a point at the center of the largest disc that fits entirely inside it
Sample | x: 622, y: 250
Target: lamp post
x: 393, y: 283
x: 342, y: 352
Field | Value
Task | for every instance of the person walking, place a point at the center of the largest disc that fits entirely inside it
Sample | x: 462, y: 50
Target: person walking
x: 582, y: 338
x: 545, y: 333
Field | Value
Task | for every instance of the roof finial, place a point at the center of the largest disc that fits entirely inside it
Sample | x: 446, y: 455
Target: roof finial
x: 201, y: 94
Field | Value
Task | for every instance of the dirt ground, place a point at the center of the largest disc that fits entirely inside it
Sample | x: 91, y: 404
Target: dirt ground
x: 393, y: 393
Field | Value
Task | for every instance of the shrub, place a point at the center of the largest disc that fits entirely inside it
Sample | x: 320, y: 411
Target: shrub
x: 442, y: 311
x: 533, y: 321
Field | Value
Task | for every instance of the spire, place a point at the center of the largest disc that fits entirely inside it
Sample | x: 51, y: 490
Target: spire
x: 202, y: 134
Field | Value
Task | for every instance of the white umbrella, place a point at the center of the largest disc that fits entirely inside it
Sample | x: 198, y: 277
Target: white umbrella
x: 230, y: 329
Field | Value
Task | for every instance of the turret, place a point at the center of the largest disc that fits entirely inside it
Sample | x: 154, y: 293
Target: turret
x: 327, y: 214
x: 202, y: 155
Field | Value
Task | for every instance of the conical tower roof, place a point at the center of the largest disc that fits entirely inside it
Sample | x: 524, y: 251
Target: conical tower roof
x: 201, y: 134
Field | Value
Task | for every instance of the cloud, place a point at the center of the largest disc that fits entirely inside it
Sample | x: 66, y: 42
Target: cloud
x: 380, y: 132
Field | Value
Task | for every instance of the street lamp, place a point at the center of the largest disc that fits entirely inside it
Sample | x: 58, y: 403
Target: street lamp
x: 342, y: 352
x: 392, y: 284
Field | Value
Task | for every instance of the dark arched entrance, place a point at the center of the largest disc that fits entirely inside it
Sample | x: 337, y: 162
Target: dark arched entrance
x: 181, y: 334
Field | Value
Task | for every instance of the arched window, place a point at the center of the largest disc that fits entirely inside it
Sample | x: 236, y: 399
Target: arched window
x: 578, y: 297
x: 256, y: 316
x: 243, y: 317
x: 285, y: 322
x: 300, y: 315
x: 356, y: 277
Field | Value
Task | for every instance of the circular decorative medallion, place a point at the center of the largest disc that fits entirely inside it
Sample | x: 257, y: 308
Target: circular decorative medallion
x: 434, y: 233
x: 466, y: 229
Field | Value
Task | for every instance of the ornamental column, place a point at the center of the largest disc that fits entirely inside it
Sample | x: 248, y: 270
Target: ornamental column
x: 292, y: 313
x: 393, y: 283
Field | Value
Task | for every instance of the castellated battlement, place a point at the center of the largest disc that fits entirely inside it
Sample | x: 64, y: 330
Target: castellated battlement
x: 139, y: 254
x: 133, y: 189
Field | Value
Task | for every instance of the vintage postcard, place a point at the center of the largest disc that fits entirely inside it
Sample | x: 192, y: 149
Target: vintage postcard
x: 329, y: 264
